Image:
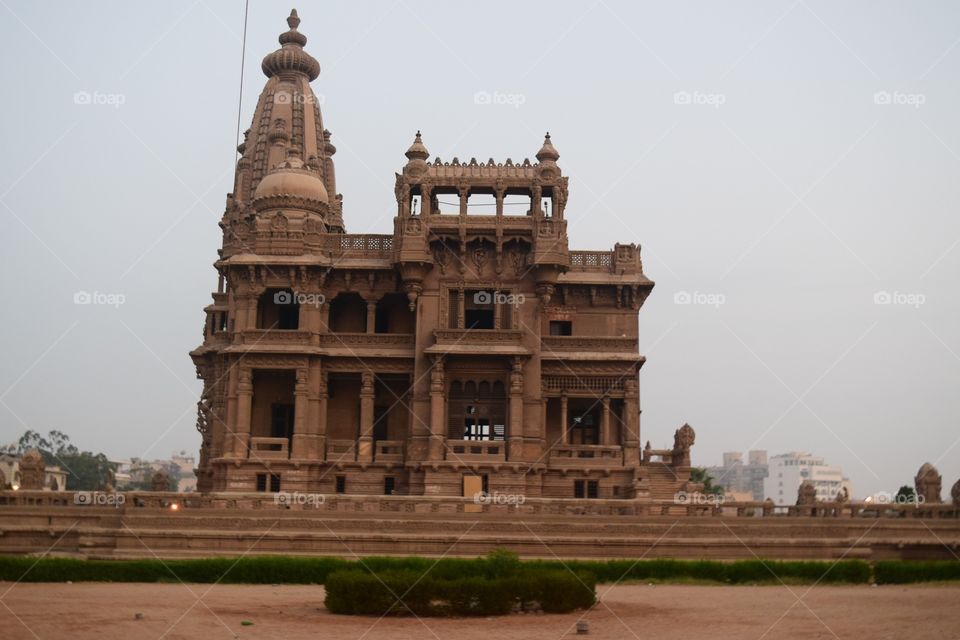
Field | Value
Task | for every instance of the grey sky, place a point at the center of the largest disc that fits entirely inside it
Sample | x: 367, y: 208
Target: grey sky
x: 787, y: 186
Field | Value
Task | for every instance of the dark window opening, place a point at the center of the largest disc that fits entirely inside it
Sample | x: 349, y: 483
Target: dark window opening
x: 389, y: 485
x: 380, y: 423
x: 593, y: 489
x: 578, y: 489
x: 341, y: 484
x: 274, y: 483
x: 278, y: 309
x: 281, y: 421
x: 561, y: 328
x: 261, y: 482
x: 485, y: 482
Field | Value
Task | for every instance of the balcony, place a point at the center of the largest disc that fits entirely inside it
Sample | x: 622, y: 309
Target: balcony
x: 604, y: 344
x: 406, y: 340
x: 479, y: 342
x: 477, y: 450
x: 601, y: 261
x: 276, y: 336
x: 269, y: 448
x: 341, y: 450
x: 388, y: 451
x: 586, y: 455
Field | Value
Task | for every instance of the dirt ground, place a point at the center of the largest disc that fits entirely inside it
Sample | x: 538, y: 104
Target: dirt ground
x: 173, y: 611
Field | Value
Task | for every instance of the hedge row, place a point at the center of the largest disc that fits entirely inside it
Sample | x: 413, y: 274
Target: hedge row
x: 407, y: 592
x: 314, y: 570
x: 907, y: 571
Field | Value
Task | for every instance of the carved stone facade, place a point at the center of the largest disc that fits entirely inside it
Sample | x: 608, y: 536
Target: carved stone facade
x: 471, y: 341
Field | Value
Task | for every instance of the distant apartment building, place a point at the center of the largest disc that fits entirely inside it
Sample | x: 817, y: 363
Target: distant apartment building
x: 789, y: 470
x: 738, y: 478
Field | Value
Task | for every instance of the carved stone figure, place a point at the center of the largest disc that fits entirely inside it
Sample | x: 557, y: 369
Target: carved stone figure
x: 807, y: 494
x: 928, y: 483
x: 33, y: 470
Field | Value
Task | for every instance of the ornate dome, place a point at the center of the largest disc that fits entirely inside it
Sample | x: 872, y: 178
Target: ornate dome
x: 548, y: 151
x: 291, y: 57
x: 291, y: 183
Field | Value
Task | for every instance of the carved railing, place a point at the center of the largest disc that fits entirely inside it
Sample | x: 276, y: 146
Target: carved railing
x: 367, y: 339
x: 360, y: 244
x: 658, y: 455
x: 389, y: 451
x: 477, y: 450
x: 606, y: 344
x: 586, y: 455
x: 341, y: 450
x: 472, y: 336
x: 591, y: 261
x: 276, y: 336
x: 590, y: 384
x: 269, y: 448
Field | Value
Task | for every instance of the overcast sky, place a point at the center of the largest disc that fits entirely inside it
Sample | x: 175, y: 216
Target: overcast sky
x: 783, y: 163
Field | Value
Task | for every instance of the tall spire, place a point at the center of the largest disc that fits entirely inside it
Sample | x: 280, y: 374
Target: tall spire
x: 290, y: 57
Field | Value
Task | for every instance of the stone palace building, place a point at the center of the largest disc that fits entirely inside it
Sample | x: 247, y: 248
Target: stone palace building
x: 470, y: 349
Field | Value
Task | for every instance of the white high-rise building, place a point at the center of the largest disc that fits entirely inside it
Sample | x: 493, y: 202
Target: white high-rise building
x: 788, y: 470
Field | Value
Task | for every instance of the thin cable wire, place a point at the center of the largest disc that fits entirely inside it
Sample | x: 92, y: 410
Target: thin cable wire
x: 243, y: 57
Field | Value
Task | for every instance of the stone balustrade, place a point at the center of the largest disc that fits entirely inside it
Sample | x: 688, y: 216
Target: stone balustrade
x: 579, y: 455
x: 262, y: 448
x: 605, y: 344
x: 388, y: 451
x: 477, y: 450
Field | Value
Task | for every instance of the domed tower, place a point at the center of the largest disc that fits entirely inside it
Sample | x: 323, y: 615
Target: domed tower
x: 286, y: 156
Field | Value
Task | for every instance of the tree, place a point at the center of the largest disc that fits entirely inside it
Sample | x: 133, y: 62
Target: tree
x: 86, y: 471
x: 700, y: 475
x: 905, y: 495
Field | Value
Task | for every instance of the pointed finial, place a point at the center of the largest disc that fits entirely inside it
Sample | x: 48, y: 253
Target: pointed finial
x: 417, y: 150
x: 548, y: 152
x: 294, y: 20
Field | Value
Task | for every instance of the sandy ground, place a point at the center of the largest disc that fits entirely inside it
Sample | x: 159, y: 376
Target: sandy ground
x: 108, y: 611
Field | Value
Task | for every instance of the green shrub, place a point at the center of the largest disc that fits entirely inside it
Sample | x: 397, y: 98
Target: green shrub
x: 907, y: 571
x: 404, y: 592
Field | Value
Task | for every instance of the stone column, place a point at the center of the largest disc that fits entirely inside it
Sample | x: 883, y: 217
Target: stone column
x: 515, y: 425
x: 631, y: 423
x: 241, y: 430
x: 323, y: 397
x: 365, y: 443
x: 425, y: 200
x: 325, y: 317
x: 498, y: 195
x: 371, y: 315
x: 606, y: 434
x: 437, y: 411
x: 301, y: 438
x: 564, y: 419
x: 464, y: 193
